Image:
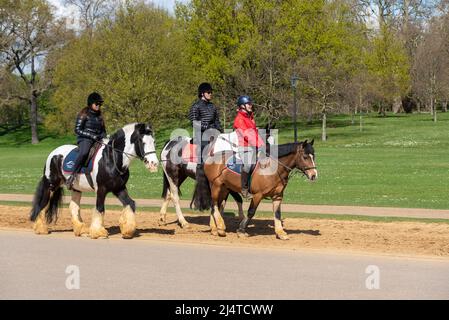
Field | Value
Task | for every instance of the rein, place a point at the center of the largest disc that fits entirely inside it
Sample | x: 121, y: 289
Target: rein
x: 142, y: 158
x: 291, y: 171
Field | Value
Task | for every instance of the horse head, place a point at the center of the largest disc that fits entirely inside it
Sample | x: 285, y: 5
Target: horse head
x: 144, y: 145
x: 305, y: 159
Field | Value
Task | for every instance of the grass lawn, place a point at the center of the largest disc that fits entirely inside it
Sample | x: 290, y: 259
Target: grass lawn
x: 396, y: 161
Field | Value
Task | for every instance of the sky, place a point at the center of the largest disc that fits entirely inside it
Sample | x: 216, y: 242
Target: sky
x: 64, y: 11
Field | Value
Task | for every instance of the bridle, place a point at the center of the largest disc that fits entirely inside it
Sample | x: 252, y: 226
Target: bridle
x: 291, y: 171
x: 141, y: 157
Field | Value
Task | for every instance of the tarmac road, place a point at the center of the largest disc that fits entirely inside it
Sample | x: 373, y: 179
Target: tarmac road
x: 40, y: 267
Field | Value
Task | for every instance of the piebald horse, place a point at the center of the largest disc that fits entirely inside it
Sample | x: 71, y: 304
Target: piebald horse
x: 267, y: 181
x: 110, y: 173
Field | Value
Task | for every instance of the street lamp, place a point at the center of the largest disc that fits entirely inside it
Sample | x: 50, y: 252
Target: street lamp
x: 294, y: 82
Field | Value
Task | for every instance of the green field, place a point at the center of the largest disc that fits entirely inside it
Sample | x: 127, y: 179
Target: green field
x: 397, y: 161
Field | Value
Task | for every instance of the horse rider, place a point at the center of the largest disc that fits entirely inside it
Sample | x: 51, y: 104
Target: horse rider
x: 89, y: 128
x: 249, y: 140
x: 204, y: 115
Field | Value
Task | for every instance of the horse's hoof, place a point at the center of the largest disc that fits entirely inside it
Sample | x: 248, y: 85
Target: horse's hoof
x: 222, y: 233
x: 184, y: 225
x: 41, y: 231
x: 99, y: 234
x: 80, y: 230
x: 128, y: 236
x: 282, y: 236
x: 214, y: 233
x: 40, y: 228
x: 162, y: 222
x: 242, y: 234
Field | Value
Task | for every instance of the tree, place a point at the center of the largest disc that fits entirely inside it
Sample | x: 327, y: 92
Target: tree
x: 28, y: 33
x: 92, y: 11
x: 135, y: 61
x: 389, y: 67
x: 325, y: 49
x: 432, y: 63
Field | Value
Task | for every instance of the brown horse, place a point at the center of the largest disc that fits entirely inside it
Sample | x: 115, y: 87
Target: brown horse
x: 269, y: 179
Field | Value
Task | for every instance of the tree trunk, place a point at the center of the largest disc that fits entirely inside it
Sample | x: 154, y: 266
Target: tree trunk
x: 445, y: 106
x: 361, y: 121
x: 434, y: 111
x: 397, y: 105
x: 33, y: 119
x: 323, y: 132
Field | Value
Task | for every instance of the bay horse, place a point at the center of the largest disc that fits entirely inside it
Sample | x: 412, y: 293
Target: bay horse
x: 109, y: 173
x: 177, y: 166
x: 267, y: 181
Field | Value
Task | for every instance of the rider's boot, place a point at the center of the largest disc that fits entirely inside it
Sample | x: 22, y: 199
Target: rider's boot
x: 245, y: 185
x: 70, y: 181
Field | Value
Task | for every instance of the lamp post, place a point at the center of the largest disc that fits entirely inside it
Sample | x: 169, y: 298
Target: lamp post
x: 294, y: 82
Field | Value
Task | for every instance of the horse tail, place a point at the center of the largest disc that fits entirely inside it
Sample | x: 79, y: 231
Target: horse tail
x: 41, y: 198
x: 48, y: 193
x: 202, y: 198
x: 55, y: 203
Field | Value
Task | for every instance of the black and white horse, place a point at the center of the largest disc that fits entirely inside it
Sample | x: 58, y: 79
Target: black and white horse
x: 109, y: 173
x: 178, y: 166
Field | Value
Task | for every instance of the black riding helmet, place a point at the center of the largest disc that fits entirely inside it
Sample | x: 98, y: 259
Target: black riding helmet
x: 94, y: 97
x: 204, y: 87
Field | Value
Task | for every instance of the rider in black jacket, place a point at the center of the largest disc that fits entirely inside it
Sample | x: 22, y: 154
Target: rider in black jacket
x: 204, y: 112
x: 89, y: 128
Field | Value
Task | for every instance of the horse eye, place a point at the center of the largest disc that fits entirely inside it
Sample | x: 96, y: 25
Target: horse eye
x: 305, y: 157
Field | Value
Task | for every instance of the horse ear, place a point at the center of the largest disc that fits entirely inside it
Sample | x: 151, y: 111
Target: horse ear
x: 311, y: 142
x: 148, y: 128
x: 140, y: 128
x: 304, y: 143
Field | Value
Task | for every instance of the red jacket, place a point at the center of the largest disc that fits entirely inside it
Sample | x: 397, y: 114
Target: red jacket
x: 245, y: 126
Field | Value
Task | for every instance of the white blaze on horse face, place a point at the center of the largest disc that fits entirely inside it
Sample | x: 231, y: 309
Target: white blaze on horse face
x: 314, y: 171
x: 150, y: 150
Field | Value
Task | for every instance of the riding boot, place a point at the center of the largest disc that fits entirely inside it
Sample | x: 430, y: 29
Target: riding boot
x: 245, y: 185
x: 70, y: 181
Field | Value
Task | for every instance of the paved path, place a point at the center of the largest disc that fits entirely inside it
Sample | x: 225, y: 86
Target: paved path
x: 364, y: 211
x: 34, y: 267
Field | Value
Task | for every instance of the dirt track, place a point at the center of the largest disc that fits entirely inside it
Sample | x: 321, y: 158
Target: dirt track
x: 403, y: 238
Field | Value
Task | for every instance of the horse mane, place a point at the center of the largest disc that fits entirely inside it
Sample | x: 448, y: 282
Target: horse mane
x: 116, y: 135
x: 288, y: 148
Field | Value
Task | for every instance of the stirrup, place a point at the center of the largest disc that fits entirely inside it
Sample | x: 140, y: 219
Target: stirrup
x: 246, y: 194
x: 70, y: 181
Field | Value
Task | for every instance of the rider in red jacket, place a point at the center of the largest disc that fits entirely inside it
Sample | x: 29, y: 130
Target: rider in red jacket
x: 249, y: 139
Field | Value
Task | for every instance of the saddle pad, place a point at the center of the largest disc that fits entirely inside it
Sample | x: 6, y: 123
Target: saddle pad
x: 234, y: 164
x: 189, y: 153
x: 70, y: 159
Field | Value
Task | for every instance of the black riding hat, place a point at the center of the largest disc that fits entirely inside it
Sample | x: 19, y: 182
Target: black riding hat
x: 94, y: 97
x: 204, y: 87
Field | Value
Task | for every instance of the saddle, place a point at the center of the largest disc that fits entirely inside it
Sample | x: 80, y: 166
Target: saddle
x: 235, y: 164
x: 87, y: 167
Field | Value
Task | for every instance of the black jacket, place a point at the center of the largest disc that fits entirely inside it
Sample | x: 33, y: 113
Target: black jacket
x: 89, y: 125
x: 207, y: 113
